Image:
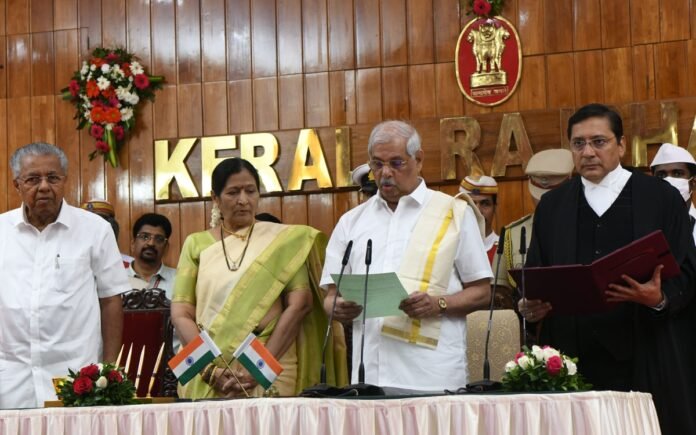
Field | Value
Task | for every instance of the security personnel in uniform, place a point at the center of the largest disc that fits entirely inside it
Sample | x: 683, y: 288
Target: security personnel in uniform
x: 546, y: 170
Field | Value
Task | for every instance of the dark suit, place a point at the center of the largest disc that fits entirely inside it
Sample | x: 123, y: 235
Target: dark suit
x: 661, y: 352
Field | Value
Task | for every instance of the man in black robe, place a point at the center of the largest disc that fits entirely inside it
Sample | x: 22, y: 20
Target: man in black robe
x: 646, y: 343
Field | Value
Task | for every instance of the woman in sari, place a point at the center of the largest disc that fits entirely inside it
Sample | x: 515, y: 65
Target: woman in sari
x: 244, y: 276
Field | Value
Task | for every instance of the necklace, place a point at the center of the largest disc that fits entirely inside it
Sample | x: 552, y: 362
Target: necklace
x: 234, y: 266
x: 241, y: 237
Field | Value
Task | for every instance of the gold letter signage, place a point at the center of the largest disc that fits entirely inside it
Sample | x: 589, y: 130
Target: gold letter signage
x: 488, y: 60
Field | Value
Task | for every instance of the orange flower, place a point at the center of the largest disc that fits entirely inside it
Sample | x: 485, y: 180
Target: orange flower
x: 112, y: 115
x: 97, y: 114
x: 98, y: 61
x: 92, y: 89
x: 108, y: 92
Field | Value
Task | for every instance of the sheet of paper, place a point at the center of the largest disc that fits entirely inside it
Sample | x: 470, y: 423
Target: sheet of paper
x: 384, y: 293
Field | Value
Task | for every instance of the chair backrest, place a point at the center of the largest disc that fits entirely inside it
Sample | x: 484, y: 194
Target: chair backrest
x: 147, y: 323
x: 504, y: 342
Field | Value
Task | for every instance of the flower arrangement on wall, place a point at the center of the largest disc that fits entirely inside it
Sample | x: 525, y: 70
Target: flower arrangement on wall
x: 484, y: 8
x: 106, y: 92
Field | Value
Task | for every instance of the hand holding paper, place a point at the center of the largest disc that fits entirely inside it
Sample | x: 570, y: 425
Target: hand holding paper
x: 384, y: 293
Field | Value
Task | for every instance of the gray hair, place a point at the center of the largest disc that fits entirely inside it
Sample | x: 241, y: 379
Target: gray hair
x: 387, y: 131
x: 36, y: 149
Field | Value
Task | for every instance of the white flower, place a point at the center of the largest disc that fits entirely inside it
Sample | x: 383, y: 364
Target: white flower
x: 105, y: 68
x: 525, y: 362
x: 102, y: 382
x: 93, y: 67
x: 117, y: 71
x: 126, y: 114
x: 132, y: 99
x: 103, y: 83
x: 109, y: 126
x: 100, y: 366
x: 570, y: 365
x: 85, y: 69
x: 538, y: 352
x: 510, y: 366
x: 136, y: 68
x: 549, y: 352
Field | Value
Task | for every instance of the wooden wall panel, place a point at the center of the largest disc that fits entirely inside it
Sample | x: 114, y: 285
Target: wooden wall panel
x: 317, y: 100
x: 188, y: 51
x: 3, y: 71
x: 367, y: 33
x: 238, y: 30
x: 643, y: 72
x: 394, y: 34
x: 214, y: 109
x: 449, y: 98
x: 368, y: 95
x: 314, y: 36
x: 618, y: 75
x: 164, y: 40
x: 560, y: 74
x: 171, y: 211
x: 644, y: 26
x: 266, y: 104
x: 17, y: 17
x: 531, y: 94
x: 90, y: 24
x: 41, y: 16
x: 240, y: 101
x: 671, y: 75
x: 320, y: 209
x: 616, y: 31
x: 67, y: 138
x: 19, y: 65
x: 421, y: 87
x: 214, y: 62
x: 294, y: 209
x: 272, y: 205
x: 263, y: 38
x: 7, y: 189
x: 589, y: 87
x: 558, y: 18
x: 691, y: 66
x: 43, y: 119
x: 531, y: 26
x: 66, y: 59
x: 42, y: 64
x: 291, y: 101
x: 674, y: 20
x: 289, y: 13
x: 446, y: 28
x: 340, y: 34
x: 114, y: 28
x: 395, y: 92
x: 587, y: 21
x: 420, y: 31
x: 64, y: 14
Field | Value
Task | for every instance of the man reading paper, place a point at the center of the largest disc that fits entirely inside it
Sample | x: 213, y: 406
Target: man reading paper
x: 433, y: 243
x: 645, y: 343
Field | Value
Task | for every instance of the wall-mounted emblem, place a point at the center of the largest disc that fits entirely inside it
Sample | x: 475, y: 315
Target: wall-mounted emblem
x: 488, y: 60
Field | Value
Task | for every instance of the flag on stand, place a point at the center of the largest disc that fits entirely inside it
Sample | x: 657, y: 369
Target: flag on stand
x: 194, y: 357
x: 258, y: 361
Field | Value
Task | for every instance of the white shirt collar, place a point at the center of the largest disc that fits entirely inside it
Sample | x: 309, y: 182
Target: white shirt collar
x: 419, y: 195
x: 615, y: 179
x: 64, y: 217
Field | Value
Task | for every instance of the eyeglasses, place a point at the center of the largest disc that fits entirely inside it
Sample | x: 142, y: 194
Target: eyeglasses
x: 35, y: 180
x: 596, y: 142
x: 394, y: 164
x: 157, y: 238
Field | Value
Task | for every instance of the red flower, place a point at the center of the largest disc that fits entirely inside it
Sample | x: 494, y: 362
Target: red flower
x: 97, y: 114
x: 482, y: 7
x: 109, y: 92
x: 102, y: 146
x: 111, y: 57
x: 74, y: 88
x: 96, y: 131
x: 82, y: 385
x: 125, y: 67
x: 113, y: 101
x: 98, y: 61
x: 90, y: 371
x: 141, y: 81
x: 118, y: 132
x: 554, y: 365
x: 115, y: 376
x: 519, y: 355
x: 112, y: 115
x: 92, y: 89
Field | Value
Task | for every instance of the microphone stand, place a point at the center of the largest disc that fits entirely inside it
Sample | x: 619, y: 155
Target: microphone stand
x: 361, y: 388
x: 486, y: 384
x: 523, y: 253
x: 322, y: 388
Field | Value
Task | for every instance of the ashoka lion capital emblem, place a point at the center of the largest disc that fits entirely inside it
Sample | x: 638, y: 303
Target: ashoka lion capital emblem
x: 488, y: 60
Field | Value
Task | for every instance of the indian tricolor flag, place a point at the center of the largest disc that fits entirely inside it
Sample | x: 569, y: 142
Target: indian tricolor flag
x: 194, y: 357
x: 258, y: 361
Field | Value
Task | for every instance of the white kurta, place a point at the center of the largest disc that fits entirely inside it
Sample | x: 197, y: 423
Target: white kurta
x: 490, y: 240
x: 389, y: 362
x: 692, y: 213
x: 51, y: 284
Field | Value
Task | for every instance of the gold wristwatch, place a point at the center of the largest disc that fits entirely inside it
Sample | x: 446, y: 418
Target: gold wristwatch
x: 442, y: 303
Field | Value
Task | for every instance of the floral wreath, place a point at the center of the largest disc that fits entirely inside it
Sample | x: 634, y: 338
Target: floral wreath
x: 106, y: 92
x: 485, y: 8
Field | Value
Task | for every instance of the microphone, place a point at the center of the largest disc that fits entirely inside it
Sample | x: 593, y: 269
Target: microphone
x: 361, y: 388
x: 523, y: 253
x: 486, y: 384
x: 322, y: 389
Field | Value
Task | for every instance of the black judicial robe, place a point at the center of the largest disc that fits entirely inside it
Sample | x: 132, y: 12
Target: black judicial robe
x: 663, y: 352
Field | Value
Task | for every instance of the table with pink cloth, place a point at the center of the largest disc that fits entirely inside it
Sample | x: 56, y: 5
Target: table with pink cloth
x: 592, y: 412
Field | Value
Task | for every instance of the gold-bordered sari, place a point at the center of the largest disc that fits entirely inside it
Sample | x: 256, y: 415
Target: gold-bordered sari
x: 230, y: 304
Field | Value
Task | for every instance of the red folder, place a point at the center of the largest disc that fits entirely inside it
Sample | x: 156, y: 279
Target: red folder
x: 579, y: 289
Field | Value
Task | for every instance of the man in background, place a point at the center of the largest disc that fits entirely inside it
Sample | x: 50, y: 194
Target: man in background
x: 62, y: 280
x: 362, y: 176
x: 106, y: 211
x: 483, y: 191
x: 677, y: 166
x: 149, y: 245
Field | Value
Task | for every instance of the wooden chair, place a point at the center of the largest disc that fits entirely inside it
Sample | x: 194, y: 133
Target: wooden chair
x: 504, y: 343
x: 147, y: 322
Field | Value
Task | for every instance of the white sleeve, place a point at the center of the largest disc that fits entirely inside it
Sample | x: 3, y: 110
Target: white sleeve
x: 334, y: 252
x: 471, y: 261
x: 107, y: 265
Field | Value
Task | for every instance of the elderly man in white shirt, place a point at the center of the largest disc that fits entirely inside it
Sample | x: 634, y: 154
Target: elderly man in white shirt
x: 434, y: 245
x: 62, y: 278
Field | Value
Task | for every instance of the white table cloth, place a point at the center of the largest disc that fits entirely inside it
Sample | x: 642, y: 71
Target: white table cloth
x: 591, y: 412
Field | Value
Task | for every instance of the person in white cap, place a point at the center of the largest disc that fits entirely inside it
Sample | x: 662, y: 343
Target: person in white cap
x: 546, y: 170
x: 362, y: 176
x: 677, y: 166
x: 483, y: 191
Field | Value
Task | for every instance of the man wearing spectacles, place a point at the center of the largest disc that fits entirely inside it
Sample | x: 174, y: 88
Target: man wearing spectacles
x: 424, y: 349
x: 149, y: 245
x: 646, y: 342
x: 61, y: 277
